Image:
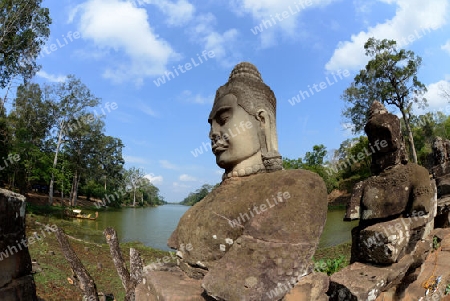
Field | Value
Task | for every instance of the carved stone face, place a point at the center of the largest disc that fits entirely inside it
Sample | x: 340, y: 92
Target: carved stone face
x: 234, y: 135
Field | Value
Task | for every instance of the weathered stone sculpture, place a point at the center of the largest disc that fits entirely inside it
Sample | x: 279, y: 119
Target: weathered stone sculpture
x: 441, y: 173
x: 396, y: 208
x: 253, y: 237
x: 243, y: 131
x: 396, y: 188
x: 16, y: 281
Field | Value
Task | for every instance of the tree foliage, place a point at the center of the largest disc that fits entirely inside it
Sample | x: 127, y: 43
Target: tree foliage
x: 198, y: 195
x: 425, y: 128
x: 313, y: 161
x: 69, y: 103
x: 24, y: 28
x: 58, y: 140
x: 390, y: 77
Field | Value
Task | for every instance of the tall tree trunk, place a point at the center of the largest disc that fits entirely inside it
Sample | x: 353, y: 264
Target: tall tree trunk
x: 74, y: 193
x: 134, y: 197
x: 55, y: 161
x: 410, y: 136
x: 72, y: 188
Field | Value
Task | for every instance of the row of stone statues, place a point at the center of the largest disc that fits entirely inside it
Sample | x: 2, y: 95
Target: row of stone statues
x: 242, y: 253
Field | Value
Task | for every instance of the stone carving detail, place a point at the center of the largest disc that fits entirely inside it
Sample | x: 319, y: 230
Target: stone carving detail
x: 252, y: 237
x: 243, y: 128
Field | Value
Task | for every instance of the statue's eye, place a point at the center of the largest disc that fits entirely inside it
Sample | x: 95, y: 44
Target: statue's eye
x: 223, y: 118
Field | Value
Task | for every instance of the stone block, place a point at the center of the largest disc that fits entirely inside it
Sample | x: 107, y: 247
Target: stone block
x: 436, y: 264
x: 360, y: 281
x: 16, y: 284
x: 170, y: 285
x: 384, y: 243
x: 443, y: 185
x: 310, y: 288
x: 22, y: 289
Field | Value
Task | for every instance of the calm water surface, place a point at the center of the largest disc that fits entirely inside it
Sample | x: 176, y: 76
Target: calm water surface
x: 153, y: 226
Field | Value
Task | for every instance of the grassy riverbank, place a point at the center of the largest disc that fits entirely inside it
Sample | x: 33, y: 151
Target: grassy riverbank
x: 52, y: 279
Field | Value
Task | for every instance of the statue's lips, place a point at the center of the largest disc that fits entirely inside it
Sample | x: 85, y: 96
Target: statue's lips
x: 218, y: 150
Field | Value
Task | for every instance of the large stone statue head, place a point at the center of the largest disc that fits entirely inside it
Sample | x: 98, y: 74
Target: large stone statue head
x: 243, y: 129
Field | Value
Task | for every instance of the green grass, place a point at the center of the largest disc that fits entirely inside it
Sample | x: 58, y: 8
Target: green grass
x: 337, y: 207
x: 52, y: 282
x: 330, y: 266
x: 332, y: 259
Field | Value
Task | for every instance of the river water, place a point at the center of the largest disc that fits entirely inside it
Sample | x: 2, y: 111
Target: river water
x: 153, y: 225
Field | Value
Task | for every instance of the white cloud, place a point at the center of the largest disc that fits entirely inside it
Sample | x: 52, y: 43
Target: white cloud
x: 188, y: 96
x: 51, y: 77
x: 187, y: 178
x: 155, y: 180
x: 177, y: 186
x: 446, y: 47
x: 167, y: 165
x: 413, y: 19
x: 178, y: 13
x: 146, y: 109
x: 122, y: 27
x: 435, y: 98
x: 224, y: 45
x: 270, y: 13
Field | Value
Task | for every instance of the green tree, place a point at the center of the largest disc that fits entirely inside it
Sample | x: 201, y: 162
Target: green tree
x: 133, y: 178
x: 69, y: 99
x: 314, y: 161
x: 351, y: 162
x: 81, y: 145
x: 149, y: 193
x: 292, y: 163
x: 425, y: 128
x: 389, y: 77
x: 24, y: 29
x: 198, y: 195
x: 30, y: 122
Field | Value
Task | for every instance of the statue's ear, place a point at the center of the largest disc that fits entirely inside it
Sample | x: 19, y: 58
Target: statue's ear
x: 262, y: 117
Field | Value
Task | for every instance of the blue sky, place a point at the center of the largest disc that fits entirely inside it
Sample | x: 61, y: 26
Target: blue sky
x: 120, y: 48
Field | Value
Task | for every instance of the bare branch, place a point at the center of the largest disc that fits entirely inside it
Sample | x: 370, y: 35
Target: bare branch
x: 86, y: 284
